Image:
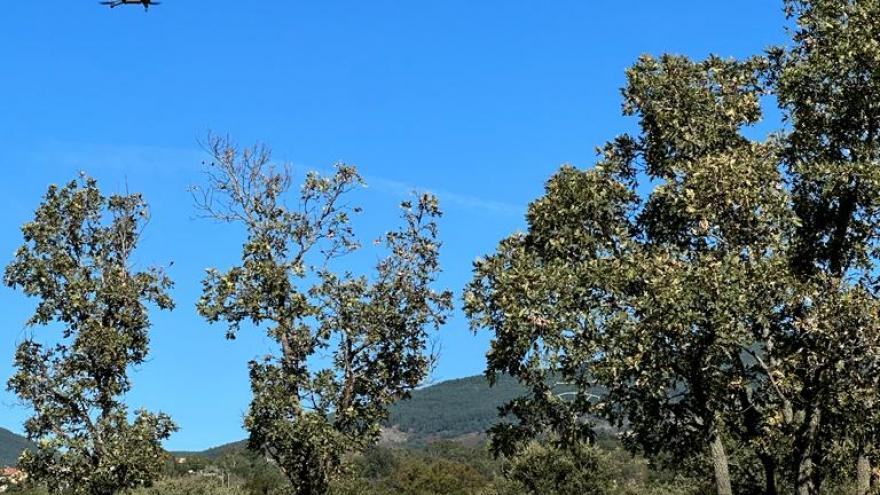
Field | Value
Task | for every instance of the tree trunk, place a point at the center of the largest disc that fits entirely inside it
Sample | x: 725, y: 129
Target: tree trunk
x: 863, y: 475
x: 769, y: 475
x: 719, y: 463
x: 805, y: 480
x: 805, y: 484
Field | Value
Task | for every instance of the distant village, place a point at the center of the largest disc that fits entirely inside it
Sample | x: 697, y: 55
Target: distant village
x: 10, y: 476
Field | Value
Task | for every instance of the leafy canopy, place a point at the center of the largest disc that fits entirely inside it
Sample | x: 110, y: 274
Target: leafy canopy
x: 307, y: 413
x: 718, y: 290
x: 77, y: 261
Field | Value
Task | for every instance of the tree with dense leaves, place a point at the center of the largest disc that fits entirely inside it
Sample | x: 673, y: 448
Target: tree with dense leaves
x: 828, y: 85
x: 642, y: 299
x: 77, y: 259
x: 718, y: 289
x: 308, y: 412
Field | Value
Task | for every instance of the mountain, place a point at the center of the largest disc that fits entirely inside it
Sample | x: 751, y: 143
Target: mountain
x: 214, y: 452
x: 453, y: 409
x: 461, y: 409
x: 11, y: 446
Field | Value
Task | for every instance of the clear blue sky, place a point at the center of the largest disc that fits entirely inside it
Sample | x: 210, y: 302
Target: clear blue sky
x: 477, y: 101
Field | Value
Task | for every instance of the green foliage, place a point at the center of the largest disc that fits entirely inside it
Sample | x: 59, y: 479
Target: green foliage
x: 432, y: 477
x: 442, y: 468
x: 448, y: 467
x: 214, y: 452
x: 76, y: 260
x: 229, y: 465
x: 453, y: 408
x: 26, y: 489
x: 540, y: 470
x: 257, y: 475
x: 376, y: 328
x: 445, y: 467
x: 712, y: 294
x: 734, y: 305
x: 11, y: 447
x: 193, y: 485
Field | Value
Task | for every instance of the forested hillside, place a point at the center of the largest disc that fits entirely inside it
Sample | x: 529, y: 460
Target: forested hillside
x: 452, y: 409
x: 460, y: 409
x: 11, y: 446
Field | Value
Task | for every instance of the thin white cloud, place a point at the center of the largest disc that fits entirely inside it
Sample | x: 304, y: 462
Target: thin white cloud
x: 120, y: 158
x: 164, y: 161
x: 465, y: 201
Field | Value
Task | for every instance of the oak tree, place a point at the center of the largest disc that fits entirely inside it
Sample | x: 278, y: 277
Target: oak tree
x: 717, y: 289
x: 77, y: 260
x: 349, y: 345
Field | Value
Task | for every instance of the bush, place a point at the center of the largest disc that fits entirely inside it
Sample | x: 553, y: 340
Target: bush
x: 26, y: 489
x: 545, y: 470
x: 191, y: 485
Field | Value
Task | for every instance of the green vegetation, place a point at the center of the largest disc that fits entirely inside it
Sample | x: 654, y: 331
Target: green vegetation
x: 698, y: 312
x: 214, y: 452
x: 732, y: 311
x: 375, y: 326
x: 456, y: 467
x: 452, y: 409
x: 461, y: 409
x: 77, y: 260
x: 442, y: 468
x: 11, y: 447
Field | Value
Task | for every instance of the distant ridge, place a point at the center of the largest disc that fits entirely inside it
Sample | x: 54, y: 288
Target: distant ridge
x: 214, y: 452
x: 454, y: 409
x: 11, y: 446
x: 461, y: 409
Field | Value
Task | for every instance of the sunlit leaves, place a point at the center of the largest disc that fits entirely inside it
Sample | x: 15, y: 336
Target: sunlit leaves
x: 708, y: 283
x: 349, y: 345
x: 76, y: 260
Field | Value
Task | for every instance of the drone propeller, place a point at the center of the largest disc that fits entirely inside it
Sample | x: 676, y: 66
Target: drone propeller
x: 117, y: 3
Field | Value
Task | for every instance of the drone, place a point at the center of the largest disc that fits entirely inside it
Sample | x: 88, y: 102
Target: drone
x: 116, y: 3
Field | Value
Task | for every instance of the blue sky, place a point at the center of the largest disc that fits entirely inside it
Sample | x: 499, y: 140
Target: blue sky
x: 476, y: 101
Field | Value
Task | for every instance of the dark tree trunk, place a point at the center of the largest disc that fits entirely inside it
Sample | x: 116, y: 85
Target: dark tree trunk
x: 769, y: 474
x: 720, y: 465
